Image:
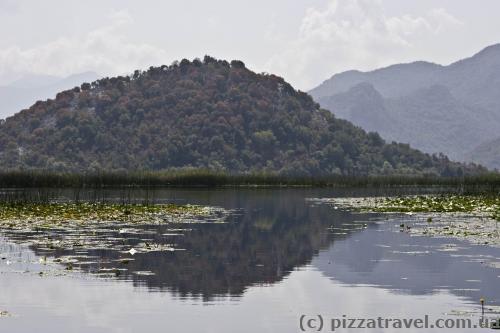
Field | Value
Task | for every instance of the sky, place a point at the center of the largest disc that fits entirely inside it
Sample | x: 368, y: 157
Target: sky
x: 305, y: 41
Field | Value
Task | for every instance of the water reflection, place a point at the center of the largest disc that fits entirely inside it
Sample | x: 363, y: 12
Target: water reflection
x: 268, y: 235
x: 272, y: 233
x: 384, y: 257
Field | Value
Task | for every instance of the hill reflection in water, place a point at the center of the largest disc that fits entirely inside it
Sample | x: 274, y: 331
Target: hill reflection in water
x: 267, y: 235
x: 270, y: 233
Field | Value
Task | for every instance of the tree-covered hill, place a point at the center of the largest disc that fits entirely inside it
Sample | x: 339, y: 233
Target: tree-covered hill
x: 201, y: 114
x: 22, y: 93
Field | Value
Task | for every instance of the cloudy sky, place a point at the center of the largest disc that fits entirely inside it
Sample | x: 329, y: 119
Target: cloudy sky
x: 305, y: 41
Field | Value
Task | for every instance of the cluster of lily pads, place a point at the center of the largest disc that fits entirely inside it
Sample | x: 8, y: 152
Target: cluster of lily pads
x: 440, y: 204
x: 53, y: 214
x: 478, y: 205
x: 473, y: 218
x: 74, y: 230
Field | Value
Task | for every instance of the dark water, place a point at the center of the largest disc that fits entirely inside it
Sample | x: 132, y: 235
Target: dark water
x: 277, y: 257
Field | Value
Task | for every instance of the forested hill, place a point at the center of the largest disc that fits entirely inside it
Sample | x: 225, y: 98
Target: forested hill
x: 202, y: 114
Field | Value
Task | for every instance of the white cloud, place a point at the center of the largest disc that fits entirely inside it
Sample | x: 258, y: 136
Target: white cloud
x: 354, y: 34
x: 105, y: 50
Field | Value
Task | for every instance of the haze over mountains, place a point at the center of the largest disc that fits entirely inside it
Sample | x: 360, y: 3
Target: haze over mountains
x: 24, y: 92
x: 201, y: 114
x: 452, y: 109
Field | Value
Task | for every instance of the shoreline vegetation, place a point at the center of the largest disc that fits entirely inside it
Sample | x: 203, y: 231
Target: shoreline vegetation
x: 487, y: 182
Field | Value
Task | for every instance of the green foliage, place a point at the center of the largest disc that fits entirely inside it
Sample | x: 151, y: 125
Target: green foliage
x: 210, y: 115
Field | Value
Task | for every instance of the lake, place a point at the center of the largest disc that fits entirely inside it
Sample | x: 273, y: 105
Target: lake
x: 276, y: 262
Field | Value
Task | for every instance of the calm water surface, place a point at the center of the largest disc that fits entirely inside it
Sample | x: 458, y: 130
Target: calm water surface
x: 277, y: 257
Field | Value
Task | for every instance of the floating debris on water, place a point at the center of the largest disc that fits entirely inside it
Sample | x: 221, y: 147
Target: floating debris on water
x: 411, y: 252
x: 465, y: 289
x: 4, y: 313
x: 495, y: 264
x: 143, y: 273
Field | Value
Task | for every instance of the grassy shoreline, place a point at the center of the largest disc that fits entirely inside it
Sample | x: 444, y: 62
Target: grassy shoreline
x: 203, y: 178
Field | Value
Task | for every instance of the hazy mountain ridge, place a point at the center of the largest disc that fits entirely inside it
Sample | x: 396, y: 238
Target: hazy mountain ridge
x: 201, y: 114
x: 487, y: 153
x: 387, y: 80
x: 450, y: 109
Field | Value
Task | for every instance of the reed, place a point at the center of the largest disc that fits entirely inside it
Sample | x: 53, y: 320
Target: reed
x: 489, y: 182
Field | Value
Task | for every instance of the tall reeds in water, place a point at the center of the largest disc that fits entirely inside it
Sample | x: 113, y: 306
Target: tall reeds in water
x: 205, y: 178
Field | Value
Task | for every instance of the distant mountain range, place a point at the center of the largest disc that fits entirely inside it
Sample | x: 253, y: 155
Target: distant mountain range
x: 452, y: 109
x: 23, y: 93
x: 487, y: 153
x: 210, y: 114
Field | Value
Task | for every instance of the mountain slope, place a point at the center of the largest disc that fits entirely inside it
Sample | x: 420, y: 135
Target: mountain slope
x: 449, y: 109
x: 363, y: 105
x: 211, y: 114
x: 417, y: 118
x: 393, y: 81
x: 26, y: 91
x: 488, y: 153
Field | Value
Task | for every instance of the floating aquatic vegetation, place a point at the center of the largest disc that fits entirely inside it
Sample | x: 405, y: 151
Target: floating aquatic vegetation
x: 99, y: 218
x: 473, y: 218
x: 50, y: 214
x: 69, y: 234
x: 487, y: 205
x: 422, y: 203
